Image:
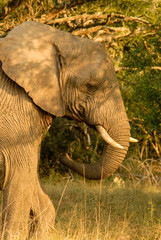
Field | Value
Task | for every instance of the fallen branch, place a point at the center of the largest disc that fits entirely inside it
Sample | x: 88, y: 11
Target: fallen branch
x: 125, y: 18
x: 82, y: 32
x: 86, y: 17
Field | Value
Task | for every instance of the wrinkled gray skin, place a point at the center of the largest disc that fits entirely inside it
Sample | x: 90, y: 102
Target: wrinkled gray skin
x: 45, y: 73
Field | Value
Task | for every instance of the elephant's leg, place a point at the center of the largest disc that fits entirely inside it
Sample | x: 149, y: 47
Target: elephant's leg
x: 42, y: 213
x: 26, y: 211
x: 16, y: 205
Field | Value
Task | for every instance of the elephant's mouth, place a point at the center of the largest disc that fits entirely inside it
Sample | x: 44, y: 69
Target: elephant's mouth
x: 99, y: 128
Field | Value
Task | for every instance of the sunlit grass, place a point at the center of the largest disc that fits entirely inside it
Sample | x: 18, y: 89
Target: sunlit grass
x: 107, y: 210
x: 95, y: 211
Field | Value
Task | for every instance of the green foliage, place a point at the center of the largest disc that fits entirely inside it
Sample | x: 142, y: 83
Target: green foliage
x: 141, y: 88
x: 2, y: 2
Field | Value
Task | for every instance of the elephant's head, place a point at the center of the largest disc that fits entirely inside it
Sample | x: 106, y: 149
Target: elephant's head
x: 72, y: 77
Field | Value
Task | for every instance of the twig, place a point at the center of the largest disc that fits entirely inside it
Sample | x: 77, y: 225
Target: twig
x: 62, y: 195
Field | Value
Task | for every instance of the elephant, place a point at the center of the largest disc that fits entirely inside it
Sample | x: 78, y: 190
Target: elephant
x: 47, y: 73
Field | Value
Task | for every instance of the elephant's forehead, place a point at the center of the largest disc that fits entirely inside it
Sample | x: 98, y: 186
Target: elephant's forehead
x: 89, y: 68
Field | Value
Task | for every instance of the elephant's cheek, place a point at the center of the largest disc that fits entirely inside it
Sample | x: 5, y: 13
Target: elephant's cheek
x: 2, y: 170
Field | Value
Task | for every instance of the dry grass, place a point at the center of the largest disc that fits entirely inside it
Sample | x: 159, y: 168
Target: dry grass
x: 112, y: 209
x: 94, y: 211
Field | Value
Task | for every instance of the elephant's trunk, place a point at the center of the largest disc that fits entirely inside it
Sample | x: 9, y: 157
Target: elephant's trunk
x: 111, y: 157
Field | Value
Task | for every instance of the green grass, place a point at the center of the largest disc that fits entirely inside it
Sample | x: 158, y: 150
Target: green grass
x: 105, y: 211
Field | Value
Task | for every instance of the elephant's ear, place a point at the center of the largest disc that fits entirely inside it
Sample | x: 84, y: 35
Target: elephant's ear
x: 30, y: 59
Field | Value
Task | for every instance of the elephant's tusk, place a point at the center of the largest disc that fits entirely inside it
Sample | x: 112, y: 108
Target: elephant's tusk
x: 107, y: 137
x: 133, y: 140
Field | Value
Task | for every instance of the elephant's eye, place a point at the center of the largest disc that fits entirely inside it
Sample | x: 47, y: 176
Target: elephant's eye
x: 91, y: 88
